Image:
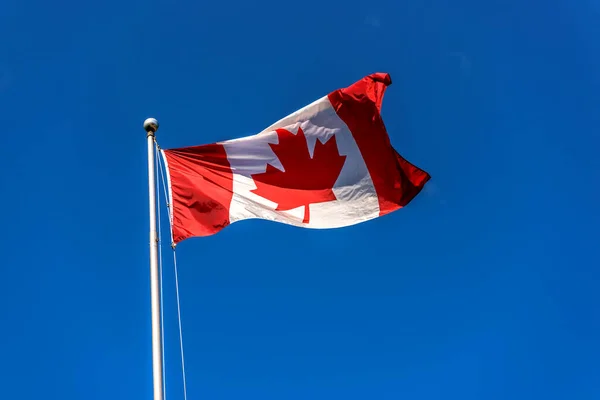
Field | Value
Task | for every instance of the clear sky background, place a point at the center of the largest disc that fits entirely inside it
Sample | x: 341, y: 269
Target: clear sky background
x: 484, y: 287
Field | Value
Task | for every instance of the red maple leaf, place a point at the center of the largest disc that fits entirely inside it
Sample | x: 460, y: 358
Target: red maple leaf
x: 305, y: 180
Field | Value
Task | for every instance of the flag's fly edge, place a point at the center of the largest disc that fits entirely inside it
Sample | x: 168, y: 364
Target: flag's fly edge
x: 359, y: 106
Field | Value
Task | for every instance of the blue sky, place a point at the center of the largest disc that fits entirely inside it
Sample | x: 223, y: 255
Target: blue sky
x: 484, y: 287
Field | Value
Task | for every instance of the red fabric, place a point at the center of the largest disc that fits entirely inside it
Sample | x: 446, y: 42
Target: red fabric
x: 396, y: 180
x: 202, y: 188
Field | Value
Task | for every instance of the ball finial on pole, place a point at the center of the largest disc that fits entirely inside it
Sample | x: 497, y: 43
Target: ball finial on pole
x: 151, y: 125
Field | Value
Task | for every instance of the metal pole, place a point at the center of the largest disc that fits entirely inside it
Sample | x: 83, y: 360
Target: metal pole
x: 151, y: 126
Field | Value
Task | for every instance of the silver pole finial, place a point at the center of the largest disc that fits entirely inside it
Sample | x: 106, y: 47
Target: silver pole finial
x: 151, y: 125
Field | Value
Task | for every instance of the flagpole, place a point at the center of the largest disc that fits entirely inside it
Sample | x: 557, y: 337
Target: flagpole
x: 151, y: 126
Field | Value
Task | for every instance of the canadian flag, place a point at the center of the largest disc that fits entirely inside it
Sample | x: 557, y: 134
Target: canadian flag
x: 327, y: 165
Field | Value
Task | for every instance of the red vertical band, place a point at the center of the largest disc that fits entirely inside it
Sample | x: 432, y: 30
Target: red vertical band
x: 201, y: 190
x: 396, y: 180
